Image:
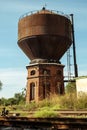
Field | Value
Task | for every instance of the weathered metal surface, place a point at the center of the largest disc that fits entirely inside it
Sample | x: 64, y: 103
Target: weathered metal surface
x: 44, y: 35
x: 45, y: 123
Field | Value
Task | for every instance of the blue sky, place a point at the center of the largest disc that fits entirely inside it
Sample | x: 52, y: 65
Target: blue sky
x: 13, y: 61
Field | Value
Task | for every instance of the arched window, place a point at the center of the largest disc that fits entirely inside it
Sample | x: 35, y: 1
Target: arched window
x: 46, y: 89
x: 45, y: 72
x: 32, y: 91
x: 59, y: 88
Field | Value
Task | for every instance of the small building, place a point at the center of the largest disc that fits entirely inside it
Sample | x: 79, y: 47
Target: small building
x: 81, y: 85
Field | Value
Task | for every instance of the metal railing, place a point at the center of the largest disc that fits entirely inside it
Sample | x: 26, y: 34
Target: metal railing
x: 51, y: 11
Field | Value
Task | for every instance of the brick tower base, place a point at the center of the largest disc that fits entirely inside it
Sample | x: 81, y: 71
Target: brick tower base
x: 44, y: 79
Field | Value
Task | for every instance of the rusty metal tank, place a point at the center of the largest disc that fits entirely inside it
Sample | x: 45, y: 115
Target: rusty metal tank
x: 44, y: 35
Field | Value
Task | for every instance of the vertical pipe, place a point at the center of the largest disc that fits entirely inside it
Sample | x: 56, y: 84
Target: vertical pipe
x: 68, y: 65
x: 74, y: 50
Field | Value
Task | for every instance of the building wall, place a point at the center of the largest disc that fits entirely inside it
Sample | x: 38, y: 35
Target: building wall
x: 44, y: 80
x: 81, y: 85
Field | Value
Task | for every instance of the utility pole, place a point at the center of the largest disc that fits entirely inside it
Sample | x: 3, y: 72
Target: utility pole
x: 74, y: 49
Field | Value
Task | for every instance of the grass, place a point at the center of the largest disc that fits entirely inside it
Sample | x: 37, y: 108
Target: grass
x: 49, y: 107
x: 45, y: 113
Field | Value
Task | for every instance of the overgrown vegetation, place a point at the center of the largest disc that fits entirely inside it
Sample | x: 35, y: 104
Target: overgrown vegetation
x: 70, y: 87
x: 48, y: 107
x: 0, y: 85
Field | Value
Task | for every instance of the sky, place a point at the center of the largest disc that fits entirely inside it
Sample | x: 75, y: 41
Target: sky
x: 13, y: 61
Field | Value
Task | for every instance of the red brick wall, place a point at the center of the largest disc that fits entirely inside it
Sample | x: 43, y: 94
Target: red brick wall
x: 47, y: 79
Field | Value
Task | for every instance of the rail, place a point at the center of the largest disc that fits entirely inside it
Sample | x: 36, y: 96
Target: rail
x: 60, y: 113
x: 51, y: 11
x: 44, y: 123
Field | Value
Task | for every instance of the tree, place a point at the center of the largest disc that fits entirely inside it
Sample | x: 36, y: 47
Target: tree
x: 11, y: 101
x: 71, y: 87
x: 0, y: 85
x: 19, y: 97
x: 3, y: 101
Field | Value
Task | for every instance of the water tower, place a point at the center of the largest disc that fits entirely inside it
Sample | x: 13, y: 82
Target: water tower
x: 44, y: 36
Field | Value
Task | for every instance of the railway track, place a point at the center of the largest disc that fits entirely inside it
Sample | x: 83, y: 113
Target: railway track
x: 70, y: 113
x: 66, y: 120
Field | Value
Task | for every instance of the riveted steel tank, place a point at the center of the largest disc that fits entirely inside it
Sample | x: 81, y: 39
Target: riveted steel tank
x: 44, y: 35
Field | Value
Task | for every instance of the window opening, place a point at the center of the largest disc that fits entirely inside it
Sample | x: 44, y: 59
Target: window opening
x: 32, y: 72
x: 32, y: 91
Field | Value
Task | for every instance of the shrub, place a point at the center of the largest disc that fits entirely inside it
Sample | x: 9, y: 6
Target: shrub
x: 45, y: 113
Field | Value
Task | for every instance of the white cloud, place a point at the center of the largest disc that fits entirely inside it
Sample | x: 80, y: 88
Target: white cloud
x: 13, y: 81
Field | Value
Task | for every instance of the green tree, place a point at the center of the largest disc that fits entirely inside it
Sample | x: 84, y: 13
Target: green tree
x: 71, y: 87
x: 3, y: 101
x: 11, y: 101
x: 0, y: 85
x: 19, y: 97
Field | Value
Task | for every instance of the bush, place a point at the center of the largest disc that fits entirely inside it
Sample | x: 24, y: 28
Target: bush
x: 46, y: 112
x: 82, y: 102
x: 68, y: 101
